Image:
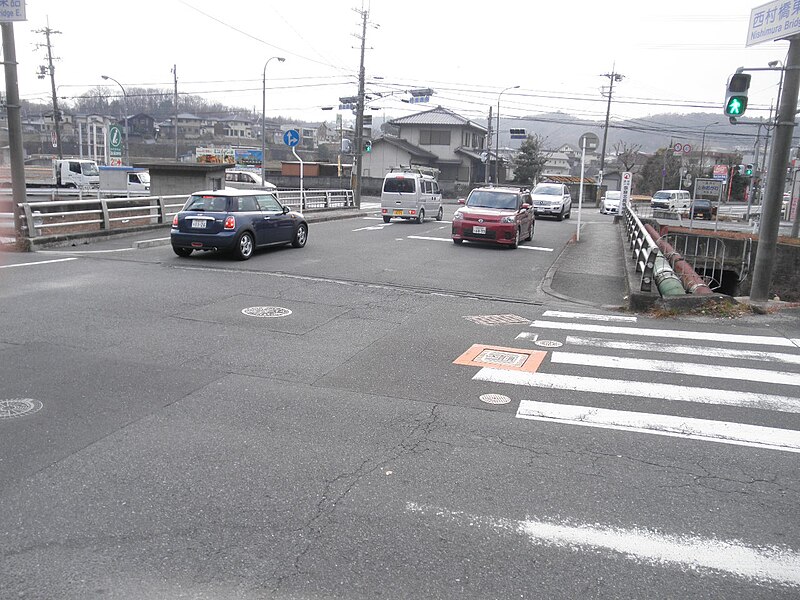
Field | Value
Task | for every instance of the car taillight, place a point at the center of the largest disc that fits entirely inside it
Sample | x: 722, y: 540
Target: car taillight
x: 412, y: 212
x: 175, y: 221
x: 230, y: 222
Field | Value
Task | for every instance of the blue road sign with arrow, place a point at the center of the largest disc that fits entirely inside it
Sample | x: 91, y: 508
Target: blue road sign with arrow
x: 291, y: 138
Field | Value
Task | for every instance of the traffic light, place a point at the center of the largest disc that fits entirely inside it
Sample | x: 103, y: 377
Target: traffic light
x: 736, y: 95
x: 367, y: 145
x: 748, y: 170
x: 347, y: 146
x: 738, y: 170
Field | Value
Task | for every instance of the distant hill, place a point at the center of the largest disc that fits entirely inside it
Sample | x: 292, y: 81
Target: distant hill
x: 651, y: 133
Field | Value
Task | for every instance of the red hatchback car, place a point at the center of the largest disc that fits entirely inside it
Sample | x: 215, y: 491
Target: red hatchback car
x: 500, y: 215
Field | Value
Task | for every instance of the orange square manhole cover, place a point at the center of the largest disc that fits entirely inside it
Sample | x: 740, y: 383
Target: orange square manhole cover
x: 513, y: 359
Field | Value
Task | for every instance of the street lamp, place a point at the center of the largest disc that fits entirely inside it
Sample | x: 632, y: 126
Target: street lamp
x: 125, y: 108
x: 703, y: 145
x: 264, y: 116
x: 497, y: 134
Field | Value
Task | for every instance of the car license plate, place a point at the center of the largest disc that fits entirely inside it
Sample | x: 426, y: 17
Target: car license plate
x: 398, y: 212
x: 479, y: 229
x: 198, y: 223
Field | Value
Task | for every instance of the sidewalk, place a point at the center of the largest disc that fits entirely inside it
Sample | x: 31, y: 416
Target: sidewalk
x: 592, y: 271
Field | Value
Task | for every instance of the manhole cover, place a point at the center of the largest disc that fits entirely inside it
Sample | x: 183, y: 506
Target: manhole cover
x: 500, y: 357
x: 495, y: 399
x: 18, y: 407
x: 548, y: 343
x: 266, y: 311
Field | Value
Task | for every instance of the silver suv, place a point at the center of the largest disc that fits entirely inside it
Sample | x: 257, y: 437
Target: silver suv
x: 552, y: 199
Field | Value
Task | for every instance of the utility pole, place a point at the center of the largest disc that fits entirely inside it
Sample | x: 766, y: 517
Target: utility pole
x: 175, y: 101
x: 15, y: 147
x: 778, y: 161
x: 51, y: 70
x: 488, y: 147
x: 612, y: 77
x: 359, y: 141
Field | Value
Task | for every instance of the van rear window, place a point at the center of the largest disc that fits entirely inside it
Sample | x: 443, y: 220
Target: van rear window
x: 399, y: 185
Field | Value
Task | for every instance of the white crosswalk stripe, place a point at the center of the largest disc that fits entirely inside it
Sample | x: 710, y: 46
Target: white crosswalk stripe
x: 613, y: 366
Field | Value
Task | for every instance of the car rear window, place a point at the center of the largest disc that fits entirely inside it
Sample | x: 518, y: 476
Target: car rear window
x: 207, y: 203
x: 399, y: 185
x: 489, y: 199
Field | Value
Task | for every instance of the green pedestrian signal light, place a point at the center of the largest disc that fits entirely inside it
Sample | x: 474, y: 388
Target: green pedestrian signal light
x: 748, y: 170
x: 736, y: 106
x: 368, y: 146
x: 736, y: 95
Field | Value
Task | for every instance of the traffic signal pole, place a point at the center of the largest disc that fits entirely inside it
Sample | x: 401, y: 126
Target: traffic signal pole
x: 778, y: 160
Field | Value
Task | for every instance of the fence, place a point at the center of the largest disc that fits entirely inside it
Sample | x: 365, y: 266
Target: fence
x: 79, y: 215
x: 643, y: 247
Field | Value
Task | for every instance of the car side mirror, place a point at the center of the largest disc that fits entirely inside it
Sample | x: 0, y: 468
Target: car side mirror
x: 526, y: 206
x: 461, y: 201
x: 285, y: 209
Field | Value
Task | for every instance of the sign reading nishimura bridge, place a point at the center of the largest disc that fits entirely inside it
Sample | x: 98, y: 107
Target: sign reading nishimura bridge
x: 774, y: 20
x: 12, y: 10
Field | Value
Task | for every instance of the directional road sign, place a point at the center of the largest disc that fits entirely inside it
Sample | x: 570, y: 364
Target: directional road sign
x: 291, y: 138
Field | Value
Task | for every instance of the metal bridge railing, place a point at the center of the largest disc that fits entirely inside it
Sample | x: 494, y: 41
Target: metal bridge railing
x: 644, y: 250
x: 82, y: 213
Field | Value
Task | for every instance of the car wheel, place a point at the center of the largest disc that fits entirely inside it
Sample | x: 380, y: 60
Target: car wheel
x: 300, y: 236
x: 386, y: 219
x: 455, y: 241
x: 440, y: 214
x: 569, y: 214
x: 515, y: 243
x: 530, y: 232
x: 560, y: 216
x: 421, y: 215
x: 182, y: 252
x: 244, y: 247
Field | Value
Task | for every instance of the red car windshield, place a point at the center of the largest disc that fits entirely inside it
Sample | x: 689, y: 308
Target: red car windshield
x: 489, y: 199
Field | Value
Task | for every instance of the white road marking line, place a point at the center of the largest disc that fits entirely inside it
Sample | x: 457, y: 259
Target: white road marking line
x: 90, y: 251
x: 681, y: 368
x: 785, y: 440
x: 527, y: 336
x: 641, y: 389
x: 669, y: 333
x: 661, y: 348
x: 571, y: 315
x: 41, y: 262
x: 438, y: 239
x: 372, y: 227
x: 760, y: 564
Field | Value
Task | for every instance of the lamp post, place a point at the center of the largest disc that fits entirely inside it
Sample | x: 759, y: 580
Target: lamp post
x: 125, y: 108
x: 264, y: 116
x: 497, y: 136
x: 703, y: 145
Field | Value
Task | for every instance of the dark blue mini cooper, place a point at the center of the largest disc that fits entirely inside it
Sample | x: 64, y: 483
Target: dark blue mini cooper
x: 237, y: 221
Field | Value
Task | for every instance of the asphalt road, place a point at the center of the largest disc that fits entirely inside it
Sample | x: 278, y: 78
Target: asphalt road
x: 384, y: 437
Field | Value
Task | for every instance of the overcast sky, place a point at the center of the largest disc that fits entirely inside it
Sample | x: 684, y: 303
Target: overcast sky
x: 556, y: 52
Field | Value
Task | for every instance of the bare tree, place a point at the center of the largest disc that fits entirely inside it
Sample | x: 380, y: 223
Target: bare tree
x: 627, y: 155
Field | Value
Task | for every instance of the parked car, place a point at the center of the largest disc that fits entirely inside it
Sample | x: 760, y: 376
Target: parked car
x: 246, y: 180
x: 409, y: 195
x: 702, y: 209
x: 609, y: 203
x: 552, y: 199
x: 500, y: 215
x: 237, y: 221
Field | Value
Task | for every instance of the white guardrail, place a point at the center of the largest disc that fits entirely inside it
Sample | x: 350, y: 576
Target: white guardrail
x: 83, y: 214
x: 643, y: 247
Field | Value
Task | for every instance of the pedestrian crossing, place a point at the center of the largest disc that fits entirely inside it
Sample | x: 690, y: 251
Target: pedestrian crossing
x: 622, y: 362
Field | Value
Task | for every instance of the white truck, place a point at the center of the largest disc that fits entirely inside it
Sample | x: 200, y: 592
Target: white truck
x: 128, y: 181
x: 64, y: 172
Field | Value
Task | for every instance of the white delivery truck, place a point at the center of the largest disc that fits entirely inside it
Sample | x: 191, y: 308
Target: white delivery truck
x: 126, y: 181
x: 65, y: 172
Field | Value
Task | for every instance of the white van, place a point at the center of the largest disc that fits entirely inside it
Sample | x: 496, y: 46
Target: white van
x: 411, y: 194
x: 671, y: 200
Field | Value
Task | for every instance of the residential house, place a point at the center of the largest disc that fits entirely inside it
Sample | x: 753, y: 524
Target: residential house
x: 436, y: 138
x: 235, y: 128
x: 557, y: 164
